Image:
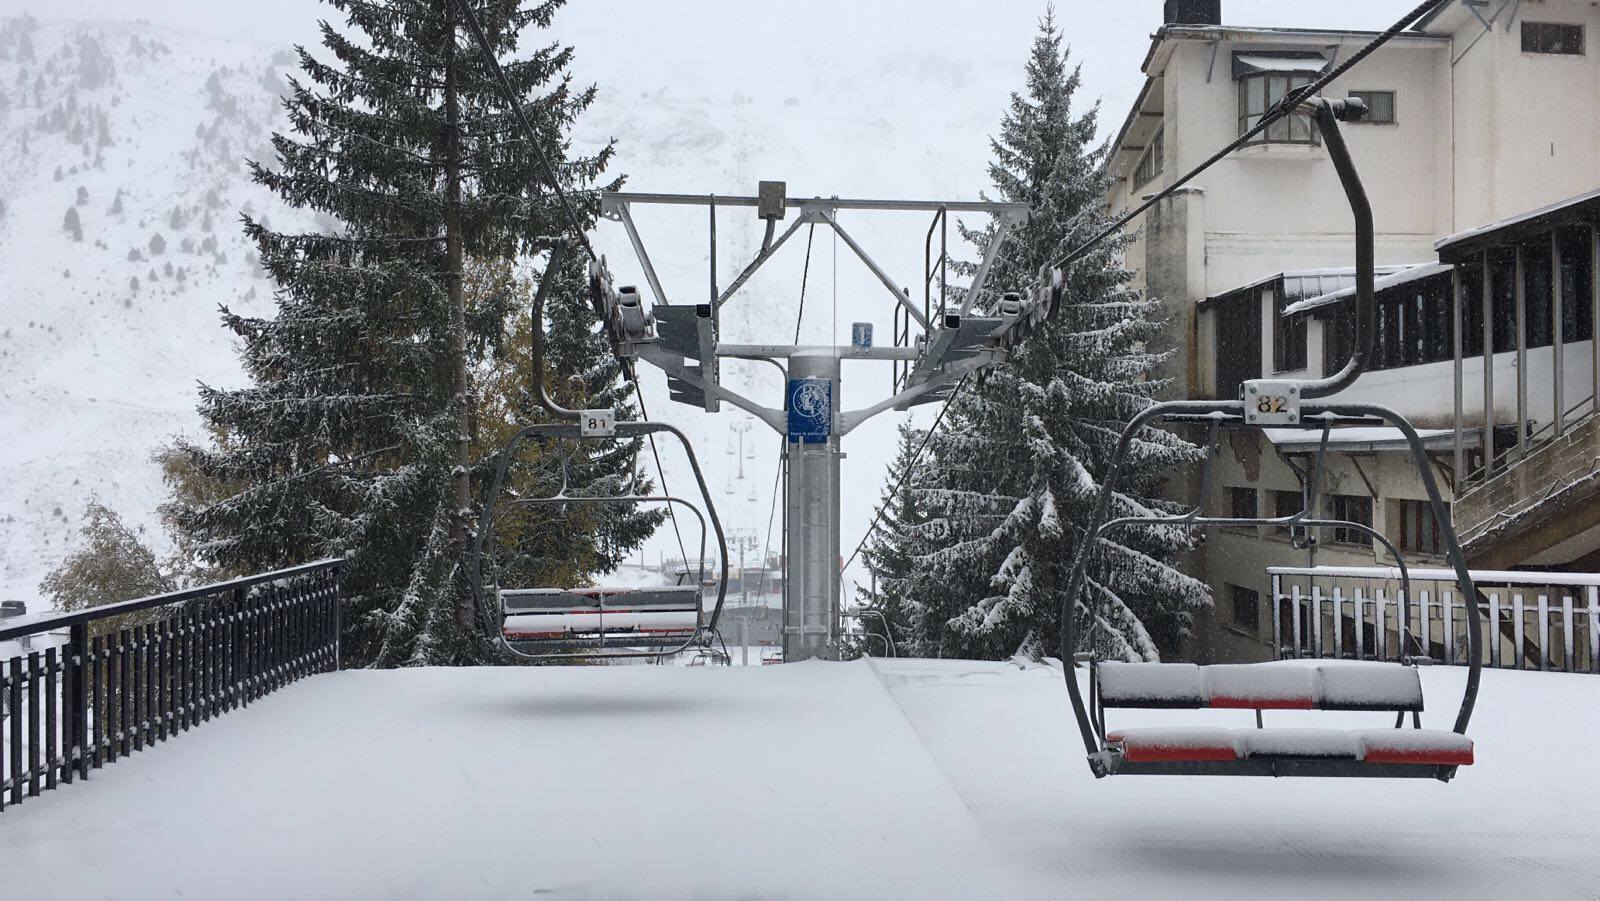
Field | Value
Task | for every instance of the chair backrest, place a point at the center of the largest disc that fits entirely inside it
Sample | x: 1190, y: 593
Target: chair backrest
x: 1336, y: 685
x: 549, y: 601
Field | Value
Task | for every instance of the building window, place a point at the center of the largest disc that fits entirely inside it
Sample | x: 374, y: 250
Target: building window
x: 1243, y: 503
x: 1350, y: 508
x: 1503, y: 300
x: 1419, y: 531
x: 1552, y: 37
x: 1288, y: 335
x: 1238, y: 341
x: 1415, y: 324
x: 1577, y: 310
x: 1285, y: 503
x: 1380, y: 106
x: 1258, y: 93
x: 1150, y: 164
x: 1245, y: 608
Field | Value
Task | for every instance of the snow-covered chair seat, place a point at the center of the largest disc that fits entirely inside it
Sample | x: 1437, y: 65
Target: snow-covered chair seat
x: 1433, y: 747
x: 534, y: 614
x: 1340, y: 685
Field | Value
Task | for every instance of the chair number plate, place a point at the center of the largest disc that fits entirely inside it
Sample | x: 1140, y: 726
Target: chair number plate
x: 1270, y: 402
x: 597, y: 423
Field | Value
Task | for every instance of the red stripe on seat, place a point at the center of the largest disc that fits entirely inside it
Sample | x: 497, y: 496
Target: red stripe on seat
x: 1153, y: 754
x: 1137, y: 752
x: 1434, y: 756
x: 1263, y: 703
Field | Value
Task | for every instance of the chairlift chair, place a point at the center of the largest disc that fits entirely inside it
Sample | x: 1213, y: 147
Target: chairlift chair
x: 1396, y: 751
x: 572, y: 623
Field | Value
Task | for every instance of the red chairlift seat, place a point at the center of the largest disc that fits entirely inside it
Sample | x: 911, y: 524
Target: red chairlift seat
x: 666, y: 614
x: 1372, y: 686
x: 1344, y: 685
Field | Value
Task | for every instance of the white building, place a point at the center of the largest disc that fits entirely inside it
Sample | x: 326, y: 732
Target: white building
x: 1478, y: 158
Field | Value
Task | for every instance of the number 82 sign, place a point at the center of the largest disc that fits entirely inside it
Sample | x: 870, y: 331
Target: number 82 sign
x: 1271, y: 402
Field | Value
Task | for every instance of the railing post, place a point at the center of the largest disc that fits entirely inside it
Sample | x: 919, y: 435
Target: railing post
x: 1544, y: 631
x: 1450, y: 624
x: 1567, y: 662
x: 34, y: 764
x: 1360, y: 602
x: 338, y: 618
x: 1519, y: 628
x: 235, y: 648
x: 1295, y: 621
x: 14, y: 706
x: 1382, y: 628
x: 1494, y: 628
x: 52, y: 718
x: 76, y: 727
x: 1338, y: 623
x: 1277, y: 617
x: 1594, y: 596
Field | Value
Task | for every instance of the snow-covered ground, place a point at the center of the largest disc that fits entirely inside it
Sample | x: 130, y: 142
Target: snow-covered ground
x: 889, y: 779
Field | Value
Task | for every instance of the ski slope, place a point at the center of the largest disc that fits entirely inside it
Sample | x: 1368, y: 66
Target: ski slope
x: 882, y: 779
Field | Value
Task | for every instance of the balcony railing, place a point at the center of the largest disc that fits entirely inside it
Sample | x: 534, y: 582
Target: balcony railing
x: 130, y: 675
x: 1532, y: 620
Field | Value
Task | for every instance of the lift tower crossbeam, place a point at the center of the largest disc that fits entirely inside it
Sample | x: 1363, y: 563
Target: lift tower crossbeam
x: 685, y: 343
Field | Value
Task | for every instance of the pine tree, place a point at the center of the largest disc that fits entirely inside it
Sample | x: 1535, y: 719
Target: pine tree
x: 891, y: 550
x: 72, y: 225
x: 357, y: 434
x: 1016, y: 470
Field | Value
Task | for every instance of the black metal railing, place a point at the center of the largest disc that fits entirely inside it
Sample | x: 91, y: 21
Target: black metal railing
x: 116, y: 679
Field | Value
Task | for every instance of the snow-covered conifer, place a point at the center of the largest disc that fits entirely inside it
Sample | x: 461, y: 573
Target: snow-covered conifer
x: 1014, y: 473
x: 892, y: 548
x: 357, y: 434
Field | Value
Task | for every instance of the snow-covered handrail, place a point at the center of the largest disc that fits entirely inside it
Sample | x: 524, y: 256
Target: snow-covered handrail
x: 1429, y: 574
x: 127, y: 676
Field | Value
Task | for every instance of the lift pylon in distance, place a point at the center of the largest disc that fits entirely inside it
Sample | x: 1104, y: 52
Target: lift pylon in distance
x: 1392, y: 751
x: 684, y: 340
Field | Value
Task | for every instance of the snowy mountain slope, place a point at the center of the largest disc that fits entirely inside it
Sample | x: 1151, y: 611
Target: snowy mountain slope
x: 141, y: 133
x: 95, y: 373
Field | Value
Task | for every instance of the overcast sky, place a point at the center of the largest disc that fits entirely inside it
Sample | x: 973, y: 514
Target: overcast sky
x: 876, y: 98
x: 724, y: 41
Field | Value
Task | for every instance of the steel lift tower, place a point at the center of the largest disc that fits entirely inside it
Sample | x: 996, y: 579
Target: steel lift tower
x: 934, y: 345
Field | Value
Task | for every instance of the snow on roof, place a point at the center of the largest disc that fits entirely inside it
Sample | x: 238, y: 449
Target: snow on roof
x: 1411, y: 273
x: 1363, y: 438
x: 1443, y: 245
x: 1292, y: 273
x: 897, y: 778
x: 1252, y: 63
